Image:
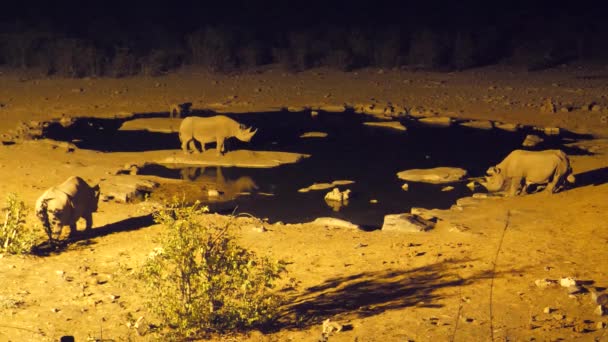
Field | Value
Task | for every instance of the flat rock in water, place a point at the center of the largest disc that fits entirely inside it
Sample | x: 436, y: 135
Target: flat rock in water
x: 323, y: 186
x: 438, y: 175
x: 314, y: 135
x: 479, y: 124
x: 437, y: 120
x: 387, y: 124
x: 238, y: 158
x: 161, y: 125
x: 334, y: 222
x: 407, y: 223
x: 532, y: 140
x: 126, y: 188
x: 333, y: 108
x: 506, y: 126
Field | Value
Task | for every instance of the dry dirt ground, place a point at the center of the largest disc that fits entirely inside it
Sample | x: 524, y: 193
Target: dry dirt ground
x: 472, y: 278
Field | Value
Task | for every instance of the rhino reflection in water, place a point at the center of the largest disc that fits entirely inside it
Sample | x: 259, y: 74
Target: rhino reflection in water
x: 212, y: 129
x: 230, y: 188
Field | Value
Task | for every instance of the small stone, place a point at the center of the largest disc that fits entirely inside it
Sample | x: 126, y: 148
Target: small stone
x: 213, y: 193
x: 532, y: 140
x: 314, y: 113
x: 600, y: 325
x: 600, y: 310
x: 55, y: 310
x: 544, y: 283
x: 447, y: 188
x: 548, y: 106
x: 564, y: 109
x: 596, y: 108
x: 559, y: 317
x: 574, y: 289
x: 60, y: 273
x: 405, y: 187
x: 567, y: 282
x: 373, y: 201
x: 548, y: 310
x: 600, y: 299
x: 141, y: 326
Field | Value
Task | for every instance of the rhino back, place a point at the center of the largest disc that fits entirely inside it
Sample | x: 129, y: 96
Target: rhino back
x: 82, y: 196
x: 212, y: 128
x: 535, y: 166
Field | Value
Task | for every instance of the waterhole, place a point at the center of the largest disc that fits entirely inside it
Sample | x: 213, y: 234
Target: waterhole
x: 367, y: 155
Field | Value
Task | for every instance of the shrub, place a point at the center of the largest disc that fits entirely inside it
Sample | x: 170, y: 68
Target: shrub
x: 214, y: 47
x: 202, y: 281
x: 15, y: 237
x: 124, y: 63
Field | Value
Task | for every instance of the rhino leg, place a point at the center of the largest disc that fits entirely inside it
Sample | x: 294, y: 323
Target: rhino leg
x: 89, y: 219
x: 185, y: 145
x: 73, y: 229
x: 220, y: 146
x: 515, y: 186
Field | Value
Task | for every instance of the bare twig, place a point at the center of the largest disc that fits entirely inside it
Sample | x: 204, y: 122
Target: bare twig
x: 493, y: 272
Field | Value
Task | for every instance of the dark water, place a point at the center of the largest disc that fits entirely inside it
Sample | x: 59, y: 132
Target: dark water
x: 370, y: 156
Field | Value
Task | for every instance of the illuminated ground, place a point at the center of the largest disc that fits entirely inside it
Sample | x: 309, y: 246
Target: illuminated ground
x: 439, y: 285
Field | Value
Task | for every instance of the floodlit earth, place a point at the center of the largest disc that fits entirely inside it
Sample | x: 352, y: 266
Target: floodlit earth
x: 474, y: 277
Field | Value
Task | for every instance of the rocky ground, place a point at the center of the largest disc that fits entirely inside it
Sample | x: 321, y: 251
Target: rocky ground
x: 486, y: 271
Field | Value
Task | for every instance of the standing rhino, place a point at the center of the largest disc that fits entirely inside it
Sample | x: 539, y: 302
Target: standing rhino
x: 212, y: 129
x: 65, y: 204
x: 523, y: 168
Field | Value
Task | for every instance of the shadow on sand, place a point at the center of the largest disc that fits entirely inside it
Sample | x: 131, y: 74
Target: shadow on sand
x: 371, y: 293
x: 592, y: 177
x: 83, y: 237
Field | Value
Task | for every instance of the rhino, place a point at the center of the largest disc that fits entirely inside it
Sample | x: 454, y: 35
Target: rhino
x: 65, y: 204
x: 212, y: 129
x: 521, y: 168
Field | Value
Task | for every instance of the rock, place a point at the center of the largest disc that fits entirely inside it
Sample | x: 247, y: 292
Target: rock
x: 336, y: 199
x: 600, y: 310
x: 596, y: 108
x: 314, y: 113
x: 336, y: 195
x: 447, y: 188
x: 443, y: 121
x: 438, y: 175
x: 599, y: 298
x: 507, y: 126
x: 567, y: 282
x: 406, y: 223
x: 548, y: 310
x: 126, y: 188
x: 323, y: 186
x: 478, y: 124
x: 405, y: 187
x: 424, y: 213
x: 574, y: 289
x: 333, y: 108
x: 472, y: 185
x: 600, y: 325
x: 387, y: 124
x: 314, y: 135
x: 213, y: 193
x: 334, y: 222
x: 373, y: 201
x: 532, y: 140
x: 551, y: 130
x: 141, y: 326
x: 544, y: 283
x: 548, y: 106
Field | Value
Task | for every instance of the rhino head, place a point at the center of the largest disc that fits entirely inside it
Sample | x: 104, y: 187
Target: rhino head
x: 494, y: 180
x: 245, y: 134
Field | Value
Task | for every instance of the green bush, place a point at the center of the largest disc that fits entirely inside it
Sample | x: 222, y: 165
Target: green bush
x: 15, y: 237
x: 202, y: 281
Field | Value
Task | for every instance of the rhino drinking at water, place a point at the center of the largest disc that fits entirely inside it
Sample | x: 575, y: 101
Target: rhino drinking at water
x: 212, y: 129
x: 521, y: 168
